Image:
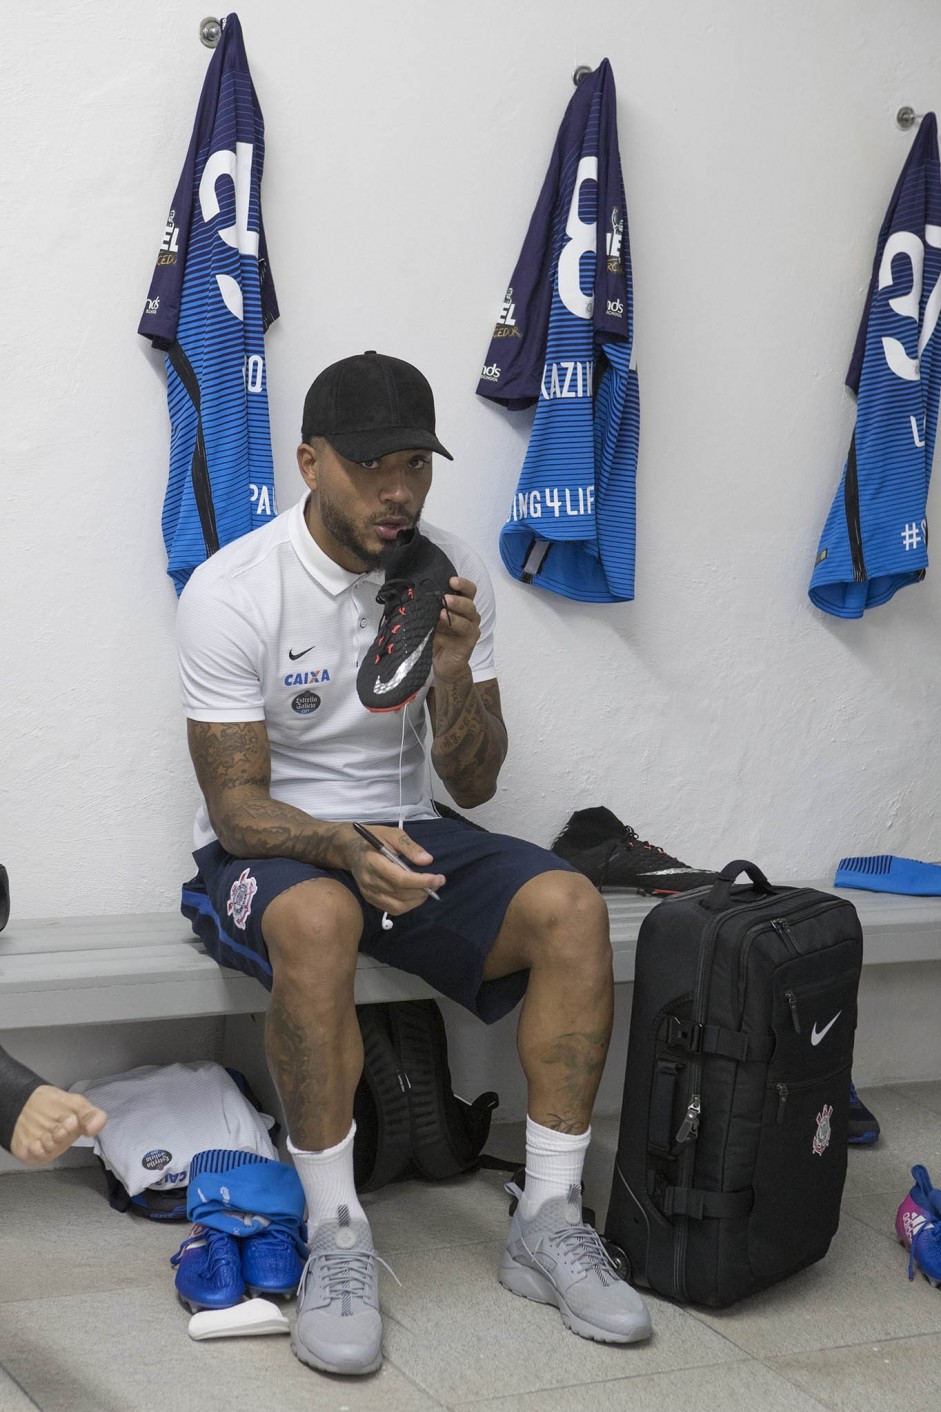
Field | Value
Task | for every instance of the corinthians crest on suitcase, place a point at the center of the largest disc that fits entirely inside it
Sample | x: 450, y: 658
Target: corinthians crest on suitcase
x: 732, y: 1149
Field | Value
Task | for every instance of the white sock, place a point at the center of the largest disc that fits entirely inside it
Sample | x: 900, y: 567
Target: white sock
x: 327, y: 1179
x: 554, y: 1163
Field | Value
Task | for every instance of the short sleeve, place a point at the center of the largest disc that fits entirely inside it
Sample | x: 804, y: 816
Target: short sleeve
x: 219, y: 653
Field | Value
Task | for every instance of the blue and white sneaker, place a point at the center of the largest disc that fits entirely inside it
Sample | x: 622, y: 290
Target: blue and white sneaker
x: 556, y: 1258
x: 918, y: 1227
x: 208, y: 1270
x: 272, y: 1262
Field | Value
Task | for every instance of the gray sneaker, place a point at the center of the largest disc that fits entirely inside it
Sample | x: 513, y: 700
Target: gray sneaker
x: 555, y: 1258
x: 338, y: 1328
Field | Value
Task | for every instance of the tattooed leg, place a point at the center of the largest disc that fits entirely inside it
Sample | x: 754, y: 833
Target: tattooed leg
x: 312, y: 1037
x: 557, y: 926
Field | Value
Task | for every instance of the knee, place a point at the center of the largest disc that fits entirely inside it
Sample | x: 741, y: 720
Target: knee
x: 568, y: 920
x: 312, y: 933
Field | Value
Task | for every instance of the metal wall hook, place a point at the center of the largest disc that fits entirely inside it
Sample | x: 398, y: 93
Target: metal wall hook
x: 210, y: 31
x: 907, y: 117
x: 581, y: 72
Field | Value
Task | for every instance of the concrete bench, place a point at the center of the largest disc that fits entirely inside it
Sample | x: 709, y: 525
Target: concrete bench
x: 149, y: 966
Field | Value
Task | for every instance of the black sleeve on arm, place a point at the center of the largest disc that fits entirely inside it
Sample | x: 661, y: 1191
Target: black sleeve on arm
x: 16, y: 1084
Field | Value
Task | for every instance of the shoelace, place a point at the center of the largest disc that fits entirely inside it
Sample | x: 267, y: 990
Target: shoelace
x: 393, y: 593
x: 289, y: 1236
x: 583, y: 1244
x: 347, y: 1273
x: 921, y: 1228
x: 218, y: 1250
x: 929, y: 1197
x: 631, y: 839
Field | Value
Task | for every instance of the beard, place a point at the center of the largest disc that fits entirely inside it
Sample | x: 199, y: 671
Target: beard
x: 350, y: 536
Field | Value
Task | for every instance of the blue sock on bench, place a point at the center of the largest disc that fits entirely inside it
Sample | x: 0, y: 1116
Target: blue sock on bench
x: 885, y: 873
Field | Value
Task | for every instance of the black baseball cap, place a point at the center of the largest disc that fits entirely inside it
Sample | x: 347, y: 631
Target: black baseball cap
x: 371, y: 404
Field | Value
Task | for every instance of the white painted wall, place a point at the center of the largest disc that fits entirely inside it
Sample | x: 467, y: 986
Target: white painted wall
x: 720, y: 714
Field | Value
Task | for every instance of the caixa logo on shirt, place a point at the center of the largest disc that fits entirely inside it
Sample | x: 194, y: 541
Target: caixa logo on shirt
x: 310, y: 678
x: 306, y: 702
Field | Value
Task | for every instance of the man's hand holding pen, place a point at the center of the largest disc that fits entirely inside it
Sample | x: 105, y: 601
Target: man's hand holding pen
x: 385, y: 871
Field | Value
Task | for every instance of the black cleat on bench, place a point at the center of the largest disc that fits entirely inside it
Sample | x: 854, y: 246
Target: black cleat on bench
x: 612, y: 855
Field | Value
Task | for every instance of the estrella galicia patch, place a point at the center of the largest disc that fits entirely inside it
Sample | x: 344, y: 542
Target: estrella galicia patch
x: 156, y: 1159
x: 305, y: 702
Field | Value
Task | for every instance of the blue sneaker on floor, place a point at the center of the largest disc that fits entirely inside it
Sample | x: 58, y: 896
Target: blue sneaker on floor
x: 208, y: 1270
x: 272, y: 1262
x: 918, y: 1227
x: 864, y: 1125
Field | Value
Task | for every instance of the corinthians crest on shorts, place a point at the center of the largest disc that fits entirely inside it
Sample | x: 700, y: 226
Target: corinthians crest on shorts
x: 239, y: 904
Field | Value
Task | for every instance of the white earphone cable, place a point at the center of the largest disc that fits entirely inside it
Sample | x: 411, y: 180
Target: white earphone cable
x: 386, y: 919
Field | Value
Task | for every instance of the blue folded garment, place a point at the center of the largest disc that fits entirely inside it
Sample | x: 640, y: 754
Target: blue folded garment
x: 242, y: 1193
x: 885, y: 873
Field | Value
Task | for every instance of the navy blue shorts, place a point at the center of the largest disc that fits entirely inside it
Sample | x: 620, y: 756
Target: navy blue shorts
x: 446, y: 943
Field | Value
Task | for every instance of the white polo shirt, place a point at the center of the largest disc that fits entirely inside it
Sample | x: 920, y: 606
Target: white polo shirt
x: 271, y: 629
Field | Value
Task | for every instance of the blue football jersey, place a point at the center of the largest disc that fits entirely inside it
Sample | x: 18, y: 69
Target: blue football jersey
x: 875, y: 540
x: 564, y: 341
x: 210, y: 301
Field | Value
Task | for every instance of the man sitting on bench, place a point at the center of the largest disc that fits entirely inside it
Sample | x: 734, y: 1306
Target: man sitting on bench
x: 306, y: 712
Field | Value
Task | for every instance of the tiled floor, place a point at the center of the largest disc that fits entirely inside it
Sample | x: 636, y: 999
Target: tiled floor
x: 89, y: 1321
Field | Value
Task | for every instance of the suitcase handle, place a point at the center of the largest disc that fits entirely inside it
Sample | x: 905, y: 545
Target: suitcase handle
x: 720, y: 895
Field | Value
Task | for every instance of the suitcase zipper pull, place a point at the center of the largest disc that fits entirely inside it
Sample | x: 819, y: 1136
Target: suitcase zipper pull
x: 791, y: 999
x: 784, y: 932
x: 689, y: 1128
x: 782, y: 1102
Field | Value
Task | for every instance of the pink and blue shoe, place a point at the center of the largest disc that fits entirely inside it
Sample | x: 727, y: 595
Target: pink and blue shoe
x: 918, y: 1227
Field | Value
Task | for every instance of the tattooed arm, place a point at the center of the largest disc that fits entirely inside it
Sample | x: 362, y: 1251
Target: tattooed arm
x: 470, y: 739
x: 233, y: 767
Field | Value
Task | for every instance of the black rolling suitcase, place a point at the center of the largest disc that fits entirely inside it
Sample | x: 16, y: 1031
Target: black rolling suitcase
x: 732, y: 1149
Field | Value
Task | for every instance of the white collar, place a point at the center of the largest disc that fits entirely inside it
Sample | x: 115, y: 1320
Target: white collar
x: 328, y: 573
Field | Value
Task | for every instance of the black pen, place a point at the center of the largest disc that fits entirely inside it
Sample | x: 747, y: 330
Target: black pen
x: 387, y: 852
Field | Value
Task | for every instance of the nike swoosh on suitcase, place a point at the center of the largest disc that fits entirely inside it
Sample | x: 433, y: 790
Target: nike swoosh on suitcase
x: 817, y: 1035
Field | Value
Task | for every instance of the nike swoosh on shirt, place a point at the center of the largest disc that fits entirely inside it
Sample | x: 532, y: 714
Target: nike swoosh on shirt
x: 817, y: 1035
x: 295, y: 656
x: 403, y: 669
